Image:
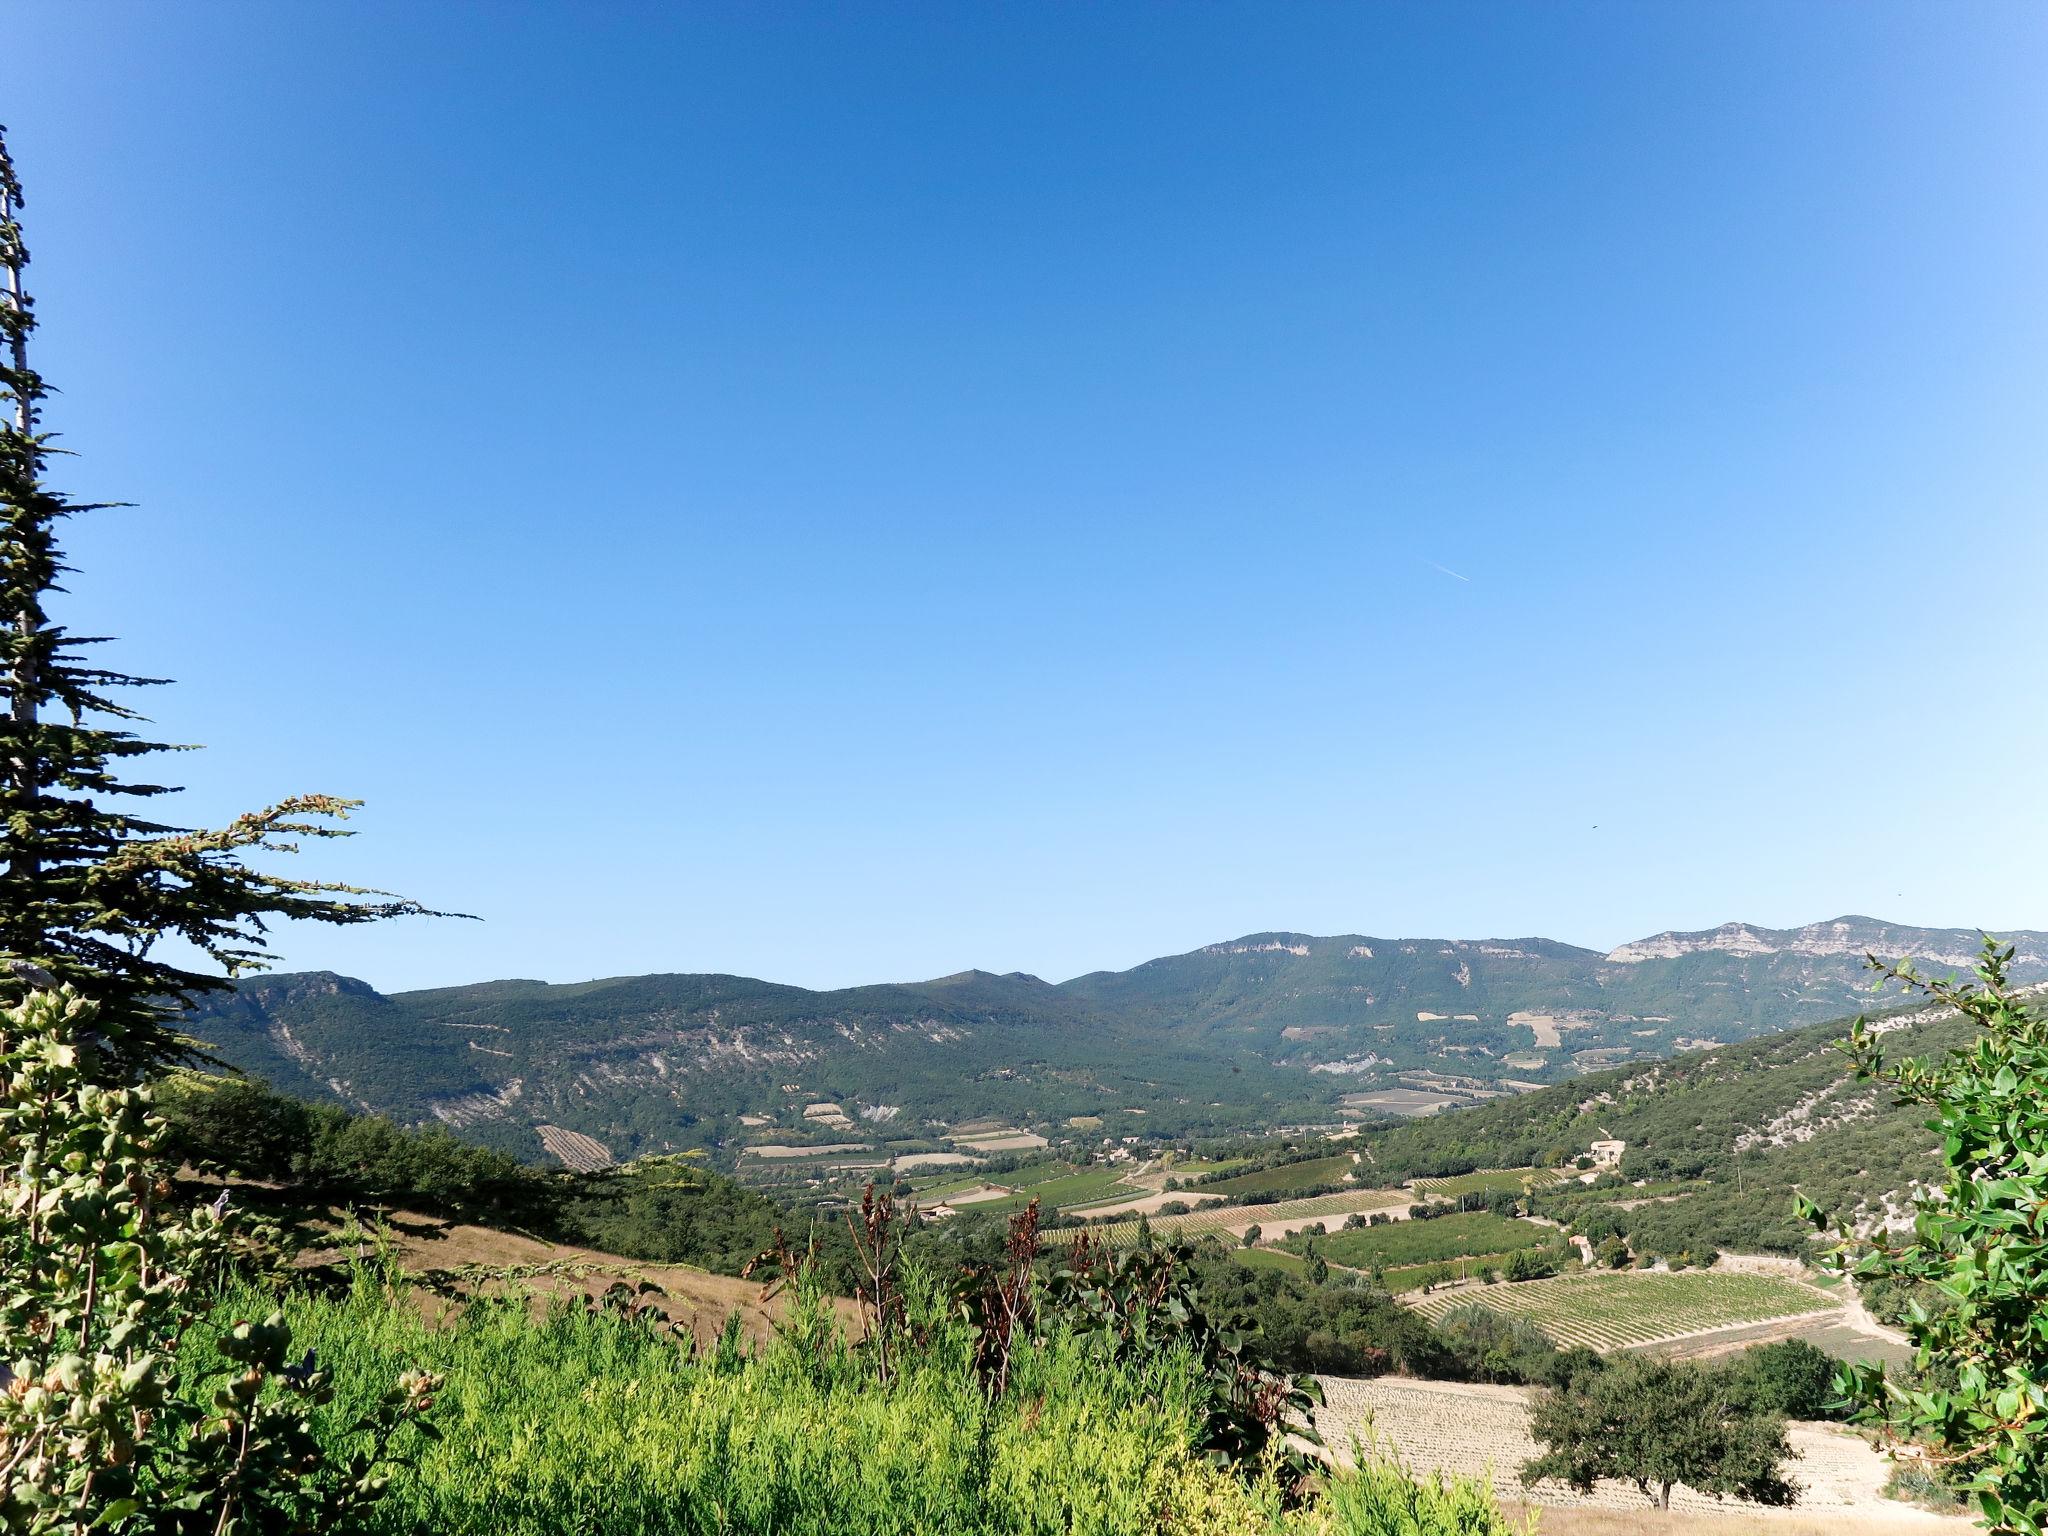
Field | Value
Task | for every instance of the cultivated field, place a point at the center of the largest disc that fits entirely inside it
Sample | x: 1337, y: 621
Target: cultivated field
x: 1410, y: 1102
x: 1625, y: 1309
x: 1276, y: 1220
x: 1483, y: 1431
x: 1000, y: 1141
x: 1145, y: 1205
x: 1511, y: 1180
x: 585, y: 1154
x: 1466, y: 1235
x: 1272, y: 1181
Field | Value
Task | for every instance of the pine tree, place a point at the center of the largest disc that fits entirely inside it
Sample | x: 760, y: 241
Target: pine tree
x: 90, y: 889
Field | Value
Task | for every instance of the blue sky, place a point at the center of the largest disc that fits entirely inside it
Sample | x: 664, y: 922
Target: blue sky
x: 846, y: 493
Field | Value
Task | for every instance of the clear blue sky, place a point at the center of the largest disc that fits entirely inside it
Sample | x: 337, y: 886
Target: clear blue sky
x: 851, y: 492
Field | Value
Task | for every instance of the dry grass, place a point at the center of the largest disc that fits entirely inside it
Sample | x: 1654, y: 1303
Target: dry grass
x: 480, y: 1258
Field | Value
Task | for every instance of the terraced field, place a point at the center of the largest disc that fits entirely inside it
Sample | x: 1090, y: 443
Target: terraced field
x: 1275, y: 1220
x: 1628, y: 1308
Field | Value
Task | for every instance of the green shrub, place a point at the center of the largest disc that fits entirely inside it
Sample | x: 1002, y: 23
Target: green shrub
x: 1977, y: 1244
x: 602, y: 1424
x: 1789, y: 1377
x: 101, y: 1316
x: 1381, y: 1500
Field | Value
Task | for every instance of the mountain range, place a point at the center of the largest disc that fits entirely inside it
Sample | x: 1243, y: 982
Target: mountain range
x: 1268, y: 1029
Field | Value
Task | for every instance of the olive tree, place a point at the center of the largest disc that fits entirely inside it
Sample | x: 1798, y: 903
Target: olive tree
x: 1659, y: 1423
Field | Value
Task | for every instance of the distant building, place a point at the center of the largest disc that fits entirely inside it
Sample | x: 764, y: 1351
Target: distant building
x: 1607, y: 1154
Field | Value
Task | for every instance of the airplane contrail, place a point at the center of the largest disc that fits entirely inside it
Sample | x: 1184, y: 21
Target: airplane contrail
x: 1445, y: 569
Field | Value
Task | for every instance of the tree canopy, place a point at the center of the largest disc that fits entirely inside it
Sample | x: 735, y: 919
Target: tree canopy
x: 1657, y: 1424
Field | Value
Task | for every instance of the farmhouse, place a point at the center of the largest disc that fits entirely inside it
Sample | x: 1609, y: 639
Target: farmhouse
x: 1607, y: 1154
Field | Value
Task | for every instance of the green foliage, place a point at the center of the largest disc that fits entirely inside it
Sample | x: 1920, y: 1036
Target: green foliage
x: 1789, y: 1377
x: 1349, y: 1327
x: 1658, y: 1423
x: 668, y: 1211
x: 1979, y: 1245
x: 99, y: 1294
x: 91, y: 889
x: 1132, y: 1304
x: 235, y: 1126
x: 1301, y: 1176
x: 1464, y: 1234
x: 1383, y: 1500
x: 1492, y: 1346
x: 598, y: 1422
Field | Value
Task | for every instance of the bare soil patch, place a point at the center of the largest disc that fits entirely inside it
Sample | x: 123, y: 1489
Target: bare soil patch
x: 1483, y: 1431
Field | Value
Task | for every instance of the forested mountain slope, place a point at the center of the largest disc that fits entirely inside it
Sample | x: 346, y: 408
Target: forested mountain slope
x: 658, y: 1062
x: 1726, y: 1136
x: 1260, y: 1031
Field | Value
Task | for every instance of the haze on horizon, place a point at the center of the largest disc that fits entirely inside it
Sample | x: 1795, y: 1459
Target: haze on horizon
x: 844, y: 496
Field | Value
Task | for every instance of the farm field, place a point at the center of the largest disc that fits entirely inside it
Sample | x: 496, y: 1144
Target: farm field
x: 1277, y: 1219
x: 781, y: 1153
x: 1509, y: 1179
x: 1468, y: 1234
x: 1052, y: 1183
x: 1195, y: 1167
x: 1406, y: 1277
x: 1626, y: 1308
x: 1409, y: 1103
x: 1146, y: 1202
x: 999, y: 1141
x: 1274, y: 1181
x: 930, y: 1191
x: 1079, y: 1187
x: 1483, y: 1431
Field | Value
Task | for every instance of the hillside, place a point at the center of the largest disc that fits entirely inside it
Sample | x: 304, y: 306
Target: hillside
x: 1724, y: 1137
x: 1326, y: 1002
x: 1264, y: 1030
x: 654, y: 1063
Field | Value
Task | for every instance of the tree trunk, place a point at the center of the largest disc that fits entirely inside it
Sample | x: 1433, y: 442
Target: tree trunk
x: 1664, y: 1494
x: 26, y: 779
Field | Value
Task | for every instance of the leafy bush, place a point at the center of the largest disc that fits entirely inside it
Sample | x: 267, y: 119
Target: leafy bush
x: 1658, y: 1423
x: 1485, y: 1345
x: 1978, y: 1241
x: 600, y: 1422
x: 1384, y: 1501
x: 98, y: 1306
x: 1790, y: 1377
